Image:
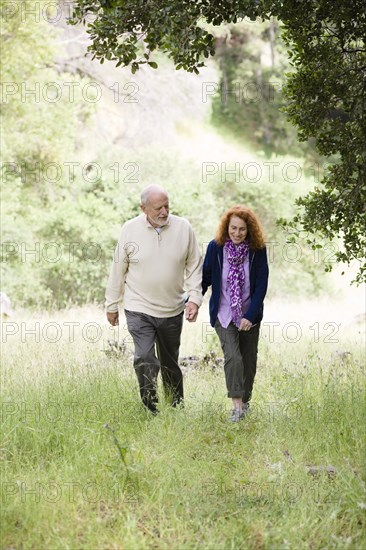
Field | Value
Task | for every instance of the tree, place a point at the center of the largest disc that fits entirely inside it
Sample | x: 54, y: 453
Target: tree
x: 251, y: 89
x: 327, y: 100
x: 326, y: 92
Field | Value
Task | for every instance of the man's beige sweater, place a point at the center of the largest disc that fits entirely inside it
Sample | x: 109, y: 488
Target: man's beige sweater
x: 154, y: 273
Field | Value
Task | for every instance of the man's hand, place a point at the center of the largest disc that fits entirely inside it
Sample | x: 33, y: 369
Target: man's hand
x: 245, y: 325
x: 113, y: 318
x: 191, y: 311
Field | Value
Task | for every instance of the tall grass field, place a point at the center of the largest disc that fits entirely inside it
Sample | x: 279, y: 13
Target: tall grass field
x: 84, y: 466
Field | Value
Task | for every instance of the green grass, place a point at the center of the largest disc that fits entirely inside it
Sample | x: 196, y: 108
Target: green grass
x: 85, y: 467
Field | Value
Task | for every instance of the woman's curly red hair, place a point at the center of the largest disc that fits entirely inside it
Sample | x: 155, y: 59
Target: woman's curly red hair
x: 255, y: 231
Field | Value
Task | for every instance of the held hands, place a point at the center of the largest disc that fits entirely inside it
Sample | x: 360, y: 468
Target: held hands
x: 245, y: 325
x: 113, y: 318
x: 191, y: 311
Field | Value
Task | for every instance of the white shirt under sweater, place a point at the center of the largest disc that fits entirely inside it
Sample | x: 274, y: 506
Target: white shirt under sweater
x: 153, y: 272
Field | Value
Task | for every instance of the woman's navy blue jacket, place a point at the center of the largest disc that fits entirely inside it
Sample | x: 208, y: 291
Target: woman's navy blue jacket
x: 258, y: 275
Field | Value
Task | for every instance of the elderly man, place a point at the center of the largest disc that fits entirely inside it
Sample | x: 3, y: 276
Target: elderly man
x: 156, y: 257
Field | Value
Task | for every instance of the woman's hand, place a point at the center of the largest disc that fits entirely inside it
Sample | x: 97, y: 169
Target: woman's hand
x: 245, y: 325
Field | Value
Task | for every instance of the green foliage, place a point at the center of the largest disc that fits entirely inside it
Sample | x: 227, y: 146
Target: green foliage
x: 253, y: 63
x: 325, y: 91
x: 327, y: 96
x: 39, y: 119
x: 122, y: 25
x: 58, y: 233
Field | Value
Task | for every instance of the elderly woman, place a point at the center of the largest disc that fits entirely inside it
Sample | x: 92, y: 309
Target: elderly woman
x: 236, y: 267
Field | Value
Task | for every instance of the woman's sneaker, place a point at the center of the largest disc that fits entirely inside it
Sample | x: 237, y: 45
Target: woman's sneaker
x: 236, y: 415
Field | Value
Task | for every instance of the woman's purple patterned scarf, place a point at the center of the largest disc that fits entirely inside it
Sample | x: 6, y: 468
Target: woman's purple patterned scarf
x: 236, y: 255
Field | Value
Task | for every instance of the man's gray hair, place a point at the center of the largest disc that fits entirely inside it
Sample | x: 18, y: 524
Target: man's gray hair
x: 149, y: 190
